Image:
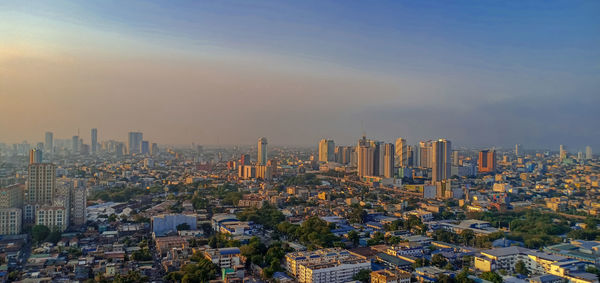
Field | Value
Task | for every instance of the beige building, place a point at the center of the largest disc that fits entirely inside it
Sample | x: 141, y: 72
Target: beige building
x: 390, y: 276
x: 11, y: 221
x: 53, y: 217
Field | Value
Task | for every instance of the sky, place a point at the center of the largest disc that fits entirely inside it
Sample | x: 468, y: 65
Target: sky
x: 480, y: 73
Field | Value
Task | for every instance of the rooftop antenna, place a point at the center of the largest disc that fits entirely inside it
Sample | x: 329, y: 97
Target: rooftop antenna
x: 362, y: 129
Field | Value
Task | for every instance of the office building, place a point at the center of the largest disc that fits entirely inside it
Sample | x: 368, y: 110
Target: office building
x: 425, y: 153
x: 94, y: 141
x: 154, y: 150
x: 441, y: 165
x: 35, y: 156
x: 343, y: 154
x: 588, y: 152
x: 135, y: 142
x: 49, y: 142
x: 388, y: 160
x: 562, y: 151
x: 517, y: 149
x: 264, y: 172
x: 455, y: 159
x: 487, y: 161
x: 145, y: 148
x: 75, y: 145
x: 326, y: 150
x: 365, y: 158
x: 262, y: 151
x: 401, y: 153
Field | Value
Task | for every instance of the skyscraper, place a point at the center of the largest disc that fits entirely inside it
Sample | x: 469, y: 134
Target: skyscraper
x: 588, y: 152
x: 262, y: 151
x: 517, y: 149
x: 49, y: 145
x: 401, y: 153
x: 94, y: 142
x: 326, y: 150
x: 487, y: 161
x: 343, y: 154
x: 425, y: 159
x: 135, y: 142
x: 365, y: 158
x: 441, y: 151
x: 388, y: 160
x: 75, y: 145
x: 562, y: 151
x: 35, y: 156
x: 145, y: 148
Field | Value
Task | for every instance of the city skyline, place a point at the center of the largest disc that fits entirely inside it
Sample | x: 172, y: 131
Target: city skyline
x: 479, y: 75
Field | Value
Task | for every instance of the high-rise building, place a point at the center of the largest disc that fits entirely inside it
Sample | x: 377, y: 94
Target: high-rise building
x: 378, y: 156
x: 441, y: 160
x: 135, y: 142
x: 388, y: 160
x: 588, y: 152
x: 487, y: 161
x: 75, y: 145
x: 94, y: 141
x: 155, y: 149
x: 455, y: 159
x: 53, y: 217
x: 262, y: 151
x: 425, y: 159
x: 35, y: 156
x: 365, y: 158
x: 49, y: 145
x: 11, y: 212
x: 517, y: 149
x: 401, y: 153
x: 41, y: 188
x: 145, y: 149
x: 326, y: 150
x: 562, y: 152
x: 78, y: 205
x: 343, y: 154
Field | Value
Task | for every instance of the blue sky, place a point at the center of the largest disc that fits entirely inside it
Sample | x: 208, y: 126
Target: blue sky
x: 478, y: 72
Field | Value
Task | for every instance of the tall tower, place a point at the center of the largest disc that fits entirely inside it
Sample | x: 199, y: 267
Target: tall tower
x: 365, y: 158
x: 75, y: 144
x: 588, y: 152
x: 35, y: 156
x: 388, y: 160
x: 326, y: 150
x: 401, y: 154
x: 425, y: 154
x: 94, y: 142
x: 487, y: 161
x: 135, y: 142
x: 49, y: 145
x: 262, y: 151
x: 441, y: 160
x: 562, y: 151
x: 517, y: 149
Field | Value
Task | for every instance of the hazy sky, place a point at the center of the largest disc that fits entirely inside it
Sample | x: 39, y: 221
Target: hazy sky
x: 476, y: 72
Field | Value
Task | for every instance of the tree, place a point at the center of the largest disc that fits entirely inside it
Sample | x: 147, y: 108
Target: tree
x: 521, y: 268
x: 183, y: 226
x: 491, y: 276
x: 53, y: 237
x: 364, y: 275
x: 439, y: 260
x: 39, y: 233
x: 467, y: 235
x: 463, y: 276
x: 354, y: 237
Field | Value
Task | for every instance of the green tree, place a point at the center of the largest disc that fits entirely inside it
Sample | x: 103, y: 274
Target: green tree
x: 53, y: 237
x: 354, y: 238
x: 491, y: 276
x: 521, y: 268
x: 183, y: 226
x: 39, y: 233
x: 364, y: 275
x: 439, y: 260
